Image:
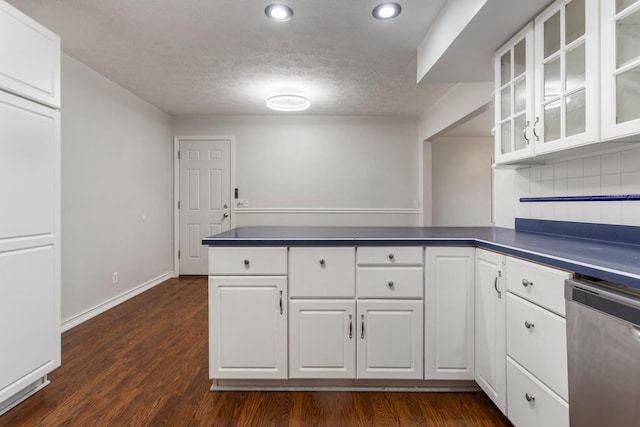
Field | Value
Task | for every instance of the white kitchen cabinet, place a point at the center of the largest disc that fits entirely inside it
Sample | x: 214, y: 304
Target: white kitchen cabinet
x: 449, y: 313
x: 513, y: 102
x: 389, y: 336
x: 322, y: 342
x: 322, y: 272
x: 566, y: 75
x: 30, y: 58
x: 490, y: 344
x: 248, y: 327
x: 620, y: 69
x: 30, y: 214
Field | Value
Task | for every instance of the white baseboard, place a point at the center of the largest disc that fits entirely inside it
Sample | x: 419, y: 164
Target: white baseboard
x: 110, y: 303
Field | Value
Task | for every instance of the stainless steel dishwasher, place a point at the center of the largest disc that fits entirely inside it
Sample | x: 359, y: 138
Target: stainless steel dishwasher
x: 603, y: 348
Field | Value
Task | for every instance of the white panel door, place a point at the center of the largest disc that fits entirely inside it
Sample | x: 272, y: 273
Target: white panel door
x: 490, y: 343
x: 205, y: 198
x: 389, y: 339
x: 248, y: 327
x: 322, y: 339
x: 449, y: 313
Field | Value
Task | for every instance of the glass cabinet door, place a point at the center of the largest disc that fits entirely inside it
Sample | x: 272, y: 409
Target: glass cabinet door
x: 565, y: 90
x: 514, y: 97
x: 620, y: 56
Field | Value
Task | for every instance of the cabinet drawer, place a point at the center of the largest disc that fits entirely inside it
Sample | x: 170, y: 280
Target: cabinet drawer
x: 322, y: 272
x: 389, y: 282
x: 249, y: 261
x: 530, y: 403
x: 390, y: 255
x: 537, y: 339
x: 537, y: 283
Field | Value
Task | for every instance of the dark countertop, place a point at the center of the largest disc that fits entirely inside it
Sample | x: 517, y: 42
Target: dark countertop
x: 606, y: 260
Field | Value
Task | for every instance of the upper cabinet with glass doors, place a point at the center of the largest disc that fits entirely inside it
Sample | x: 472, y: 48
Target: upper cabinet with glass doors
x: 513, y: 66
x: 566, y: 75
x: 620, y: 26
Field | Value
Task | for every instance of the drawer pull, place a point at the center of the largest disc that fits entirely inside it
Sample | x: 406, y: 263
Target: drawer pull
x: 528, y: 324
x: 526, y: 283
x: 281, y: 310
x: 322, y: 262
x: 391, y: 256
x: 529, y: 397
x: 247, y: 262
x: 362, y: 330
x: 390, y: 285
x: 350, y: 326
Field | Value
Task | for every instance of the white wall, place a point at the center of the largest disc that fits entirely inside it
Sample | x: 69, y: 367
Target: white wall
x: 117, y: 193
x: 461, y: 169
x: 321, y: 170
x: 607, y: 174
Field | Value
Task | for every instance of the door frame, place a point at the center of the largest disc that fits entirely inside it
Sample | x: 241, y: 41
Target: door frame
x: 176, y: 189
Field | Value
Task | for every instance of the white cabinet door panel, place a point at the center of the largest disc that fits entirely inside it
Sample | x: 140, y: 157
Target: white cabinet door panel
x: 390, y: 339
x: 322, y: 272
x: 322, y: 341
x: 248, y: 327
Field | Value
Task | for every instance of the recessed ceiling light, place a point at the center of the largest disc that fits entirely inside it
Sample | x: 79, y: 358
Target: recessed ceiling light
x: 386, y: 11
x: 278, y: 12
x: 288, y: 102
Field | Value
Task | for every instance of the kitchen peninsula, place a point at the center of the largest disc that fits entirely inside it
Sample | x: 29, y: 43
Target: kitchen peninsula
x: 408, y: 308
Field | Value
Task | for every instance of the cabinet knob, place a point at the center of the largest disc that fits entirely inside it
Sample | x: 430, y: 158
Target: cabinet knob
x: 528, y: 324
x: 322, y: 261
x: 390, y: 285
x: 391, y: 256
x: 246, y: 263
x: 526, y: 283
x: 529, y: 397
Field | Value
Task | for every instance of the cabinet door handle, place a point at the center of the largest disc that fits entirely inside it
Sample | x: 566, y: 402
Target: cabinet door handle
x: 526, y: 283
x: 535, y: 133
x: 350, y: 326
x: 529, y: 397
x: 528, y: 324
x: 524, y: 132
x: 362, y: 330
x: 281, y: 309
x: 495, y: 284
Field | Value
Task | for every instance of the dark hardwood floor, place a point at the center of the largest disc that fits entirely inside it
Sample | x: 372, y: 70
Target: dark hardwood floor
x: 145, y: 363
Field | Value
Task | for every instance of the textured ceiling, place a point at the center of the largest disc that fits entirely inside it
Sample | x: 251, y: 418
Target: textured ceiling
x: 226, y: 57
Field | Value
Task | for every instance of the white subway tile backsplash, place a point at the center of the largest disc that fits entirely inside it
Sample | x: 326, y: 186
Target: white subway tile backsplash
x: 592, y: 166
x: 560, y: 170
x: 536, y: 210
x: 546, y: 188
x: 575, y: 168
x: 591, y: 185
x: 523, y: 175
x: 611, y: 163
x: 630, y: 183
x: 631, y: 213
x: 536, y: 173
x: 611, y: 212
x: 631, y: 160
x: 591, y: 212
x: 560, y: 187
x: 610, y: 184
x: 575, y: 212
x: 575, y: 187
x: 548, y: 209
x: 560, y: 211
x: 536, y: 189
x: 546, y: 172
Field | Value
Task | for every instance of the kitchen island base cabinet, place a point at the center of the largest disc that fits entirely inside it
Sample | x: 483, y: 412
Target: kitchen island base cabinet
x: 248, y: 327
x: 490, y: 345
x: 449, y: 313
x: 389, y: 339
x: 322, y: 339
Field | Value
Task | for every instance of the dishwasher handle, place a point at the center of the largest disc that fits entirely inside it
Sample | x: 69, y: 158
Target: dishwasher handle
x: 604, y: 299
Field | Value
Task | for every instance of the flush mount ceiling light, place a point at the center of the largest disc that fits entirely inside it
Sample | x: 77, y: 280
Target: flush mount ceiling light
x: 386, y: 11
x: 288, y: 102
x: 278, y: 12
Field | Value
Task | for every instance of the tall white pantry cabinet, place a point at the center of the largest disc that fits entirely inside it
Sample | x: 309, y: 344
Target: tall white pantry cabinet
x: 30, y: 212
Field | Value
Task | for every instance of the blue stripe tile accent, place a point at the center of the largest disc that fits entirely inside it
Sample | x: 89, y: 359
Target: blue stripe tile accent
x: 582, y: 230
x: 606, y: 198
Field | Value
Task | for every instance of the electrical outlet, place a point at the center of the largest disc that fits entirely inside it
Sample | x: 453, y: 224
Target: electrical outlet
x: 115, y: 277
x: 243, y: 203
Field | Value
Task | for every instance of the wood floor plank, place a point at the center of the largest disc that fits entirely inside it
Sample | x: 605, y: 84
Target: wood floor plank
x: 145, y: 363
